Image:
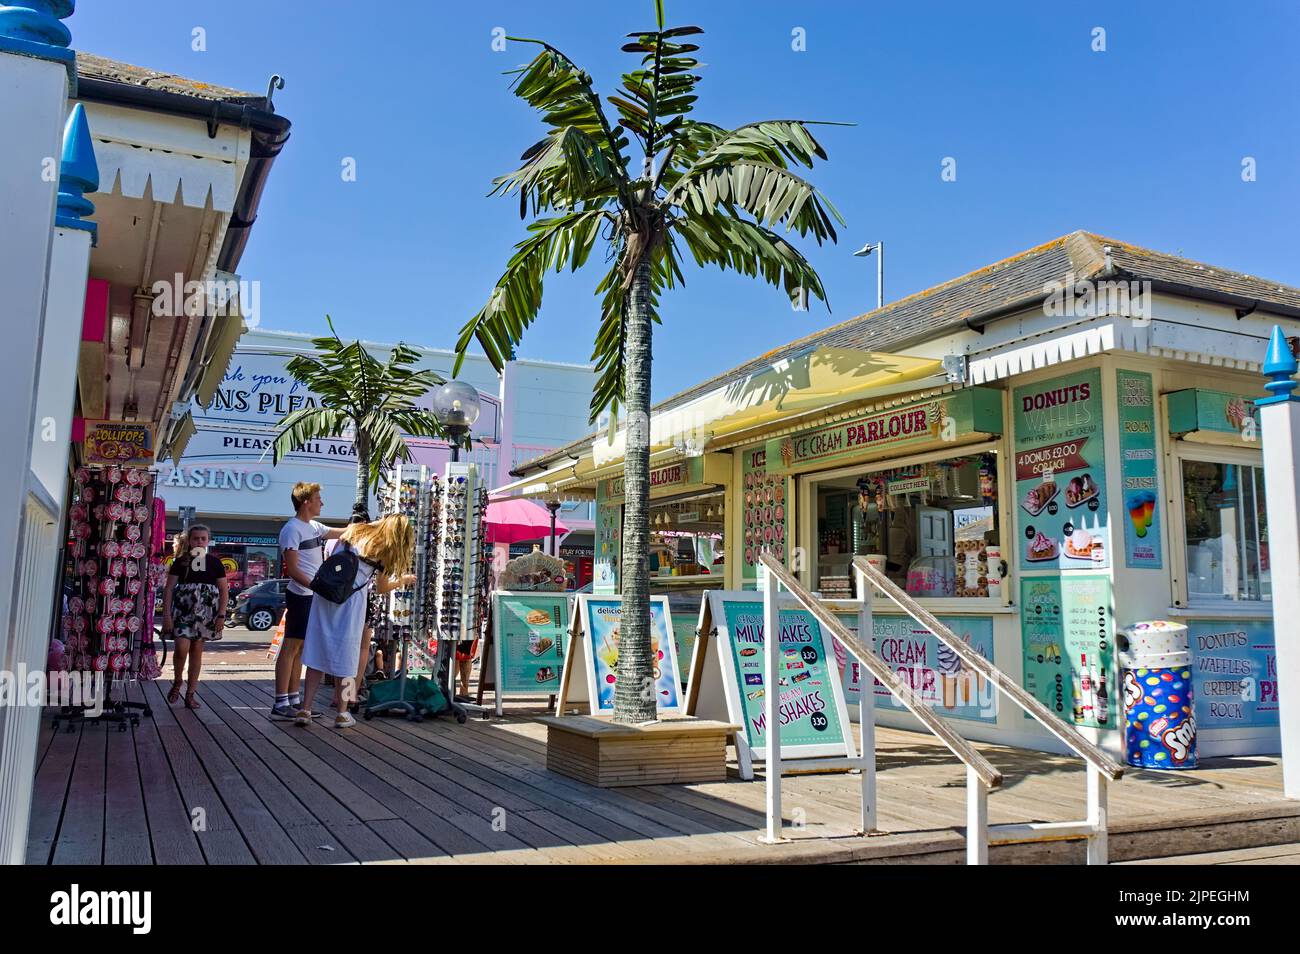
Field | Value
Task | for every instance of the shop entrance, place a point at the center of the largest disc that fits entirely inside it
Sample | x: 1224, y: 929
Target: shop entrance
x: 931, y: 524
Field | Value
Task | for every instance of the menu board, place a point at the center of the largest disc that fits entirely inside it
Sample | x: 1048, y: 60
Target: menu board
x: 811, y: 705
x: 1061, y: 473
x: 924, y: 662
x: 528, y: 641
x: 1066, y: 628
x: 608, y: 540
x: 1234, y: 666
x: 763, y: 513
x: 1137, y: 452
x: 684, y: 626
x: 601, y: 618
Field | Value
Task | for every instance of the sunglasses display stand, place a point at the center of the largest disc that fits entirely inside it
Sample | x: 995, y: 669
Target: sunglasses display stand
x: 462, y: 574
x: 407, y: 615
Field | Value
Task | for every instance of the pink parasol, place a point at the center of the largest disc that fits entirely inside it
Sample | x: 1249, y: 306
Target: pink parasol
x: 509, y: 521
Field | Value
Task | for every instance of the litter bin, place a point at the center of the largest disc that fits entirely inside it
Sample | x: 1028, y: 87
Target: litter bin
x: 1159, y: 711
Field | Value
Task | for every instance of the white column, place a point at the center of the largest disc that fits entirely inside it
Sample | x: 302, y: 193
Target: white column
x: 35, y: 71
x: 33, y: 103
x: 1279, y: 425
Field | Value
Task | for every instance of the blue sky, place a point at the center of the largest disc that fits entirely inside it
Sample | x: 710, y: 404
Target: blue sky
x: 1143, y: 142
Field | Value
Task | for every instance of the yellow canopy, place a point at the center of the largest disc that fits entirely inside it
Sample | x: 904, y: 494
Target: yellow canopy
x: 821, y: 377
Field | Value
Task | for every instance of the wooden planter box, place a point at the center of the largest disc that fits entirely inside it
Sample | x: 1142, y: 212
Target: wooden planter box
x: 607, y: 755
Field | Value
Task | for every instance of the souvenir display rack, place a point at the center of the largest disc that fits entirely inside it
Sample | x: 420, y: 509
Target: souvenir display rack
x: 447, y: 603
x: 407, y: 615
x: 463, y: 571
x: 113, y: 570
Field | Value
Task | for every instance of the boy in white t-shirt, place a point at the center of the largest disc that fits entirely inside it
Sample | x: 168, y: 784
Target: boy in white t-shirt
x: 302, y: 549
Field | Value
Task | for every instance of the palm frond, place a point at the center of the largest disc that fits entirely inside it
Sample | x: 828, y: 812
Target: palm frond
x: 499, y: 325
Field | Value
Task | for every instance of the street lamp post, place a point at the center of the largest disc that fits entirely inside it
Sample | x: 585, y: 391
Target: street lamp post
x: 456, y: 406
x: 553, y: 505
x: 879, y: 249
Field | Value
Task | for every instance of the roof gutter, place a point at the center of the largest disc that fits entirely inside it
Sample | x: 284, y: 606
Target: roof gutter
x: 269, y: 134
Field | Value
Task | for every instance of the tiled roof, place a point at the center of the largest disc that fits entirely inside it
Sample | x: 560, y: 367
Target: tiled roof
x: 1009, y: 285
x: 102, y: 68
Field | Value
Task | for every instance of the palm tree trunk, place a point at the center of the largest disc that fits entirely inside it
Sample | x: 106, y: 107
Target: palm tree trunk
x: 362, y: 503
x: 634, y: 693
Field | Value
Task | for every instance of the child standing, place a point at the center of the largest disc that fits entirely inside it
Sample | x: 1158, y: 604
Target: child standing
x: 194, y: 608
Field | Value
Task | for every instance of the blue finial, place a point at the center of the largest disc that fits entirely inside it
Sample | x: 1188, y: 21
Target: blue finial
x: 78, y: 174
x: 1280, y: 367
x: 32, y: 28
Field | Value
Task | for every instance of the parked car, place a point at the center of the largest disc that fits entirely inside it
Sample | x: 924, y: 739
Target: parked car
x: 259, y: 607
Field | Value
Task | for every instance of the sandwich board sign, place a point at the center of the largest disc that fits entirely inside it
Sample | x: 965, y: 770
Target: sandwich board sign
x: 526, y: 643
x: 727, y: 679
x: 589, y: 676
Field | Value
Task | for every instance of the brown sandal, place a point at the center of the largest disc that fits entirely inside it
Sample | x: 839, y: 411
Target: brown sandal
x: 192, y: 700
x: 174, y: 696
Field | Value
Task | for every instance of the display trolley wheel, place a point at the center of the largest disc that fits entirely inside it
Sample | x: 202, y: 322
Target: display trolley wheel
x: 460, y: 718
x: 368, y: 715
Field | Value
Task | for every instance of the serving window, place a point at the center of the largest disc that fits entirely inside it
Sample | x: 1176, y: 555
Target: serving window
x: 933, y: 527
x: 1225, y: 527
x: 686, y: 539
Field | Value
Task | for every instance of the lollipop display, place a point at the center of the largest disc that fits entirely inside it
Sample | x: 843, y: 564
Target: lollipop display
x: 114, y: 571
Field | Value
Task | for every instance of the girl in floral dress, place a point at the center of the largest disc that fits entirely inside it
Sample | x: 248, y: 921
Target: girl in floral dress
x: 194, y: 609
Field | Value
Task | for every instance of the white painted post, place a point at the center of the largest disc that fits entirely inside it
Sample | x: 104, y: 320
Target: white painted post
x: 866, y: 706
x: 771, y: 700
x: 1098, y: 817
x: 36, y: 68
x: 1279, y: 425
x: 977, y: 819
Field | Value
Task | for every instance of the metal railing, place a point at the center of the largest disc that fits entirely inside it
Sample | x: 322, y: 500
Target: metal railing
x: 1101, y: 768
x: 981, y: 777
x: 980, y: 774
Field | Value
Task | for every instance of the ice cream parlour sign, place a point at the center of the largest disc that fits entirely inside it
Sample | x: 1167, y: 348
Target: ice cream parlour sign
x: 671, y: 478
x: 956, y: 415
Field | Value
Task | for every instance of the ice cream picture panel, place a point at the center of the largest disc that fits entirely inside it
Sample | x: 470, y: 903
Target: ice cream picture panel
x: 1061, y: 474
x: 925, y: 663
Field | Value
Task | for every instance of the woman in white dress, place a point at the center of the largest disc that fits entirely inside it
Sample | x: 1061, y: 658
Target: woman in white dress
x: 333, y: 641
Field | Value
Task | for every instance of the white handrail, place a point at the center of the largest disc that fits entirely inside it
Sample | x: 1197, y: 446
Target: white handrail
x: 939, y: 726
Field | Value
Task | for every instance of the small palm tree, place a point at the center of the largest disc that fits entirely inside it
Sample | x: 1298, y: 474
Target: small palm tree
x: 358, y: 392
x: 719, y: 195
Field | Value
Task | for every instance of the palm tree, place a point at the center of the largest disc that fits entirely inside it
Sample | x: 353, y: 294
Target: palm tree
x: 718, y: 194
x: 358, y: 392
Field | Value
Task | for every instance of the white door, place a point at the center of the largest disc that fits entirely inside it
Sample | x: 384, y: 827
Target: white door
x: 936, y: 531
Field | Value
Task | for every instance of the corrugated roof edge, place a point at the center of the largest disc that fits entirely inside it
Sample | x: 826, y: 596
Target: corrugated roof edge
x: 1087, y: 257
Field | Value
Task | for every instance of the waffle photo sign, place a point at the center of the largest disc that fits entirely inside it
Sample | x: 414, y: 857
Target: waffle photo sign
x: 590, y: 673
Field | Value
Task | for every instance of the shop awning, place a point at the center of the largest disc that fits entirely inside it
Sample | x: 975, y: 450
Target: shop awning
x: 546, y: 484
x: 819, y: 378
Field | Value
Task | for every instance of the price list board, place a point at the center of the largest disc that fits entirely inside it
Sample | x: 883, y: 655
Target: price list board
x: 1067, y: 632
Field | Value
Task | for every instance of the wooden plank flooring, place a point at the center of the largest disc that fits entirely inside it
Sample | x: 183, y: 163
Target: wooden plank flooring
x: 226, y: 785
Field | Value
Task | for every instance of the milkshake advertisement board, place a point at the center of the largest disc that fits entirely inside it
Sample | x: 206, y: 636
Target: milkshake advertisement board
x: 924, y: 662
x: 1061, y: 474
x: 601, y: 623
x: 1234, y: 673
x: 529, y: 641
x: 1138, y: 464
x: 1067, y: 635
x: 813, y: 717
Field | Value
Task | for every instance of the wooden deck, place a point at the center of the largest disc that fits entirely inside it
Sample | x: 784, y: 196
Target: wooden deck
x: 436, y: 792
